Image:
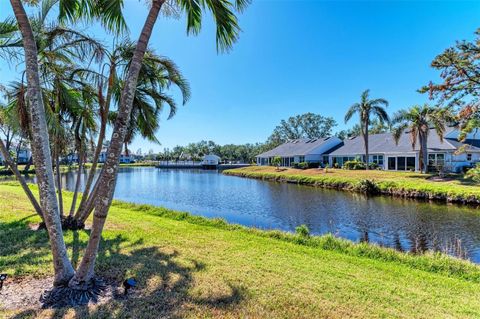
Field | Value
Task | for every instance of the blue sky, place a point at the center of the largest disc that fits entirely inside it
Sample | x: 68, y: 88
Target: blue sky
x: 295, y: 57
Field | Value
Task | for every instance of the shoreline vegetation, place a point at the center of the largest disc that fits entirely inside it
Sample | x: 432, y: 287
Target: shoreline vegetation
x: 208, y: 267
x: 451, y: 189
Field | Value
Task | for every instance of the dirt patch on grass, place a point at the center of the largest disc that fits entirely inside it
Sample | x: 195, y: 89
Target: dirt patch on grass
x: 25, y: 293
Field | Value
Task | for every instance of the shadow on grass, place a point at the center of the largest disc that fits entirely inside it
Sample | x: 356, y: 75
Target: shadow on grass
x: 164, y: 278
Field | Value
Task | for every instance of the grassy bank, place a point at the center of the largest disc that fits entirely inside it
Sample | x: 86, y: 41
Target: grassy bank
x: 453, y: 189
x: 188, y: 266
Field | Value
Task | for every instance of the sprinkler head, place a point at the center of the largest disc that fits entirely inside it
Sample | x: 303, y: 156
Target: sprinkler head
x: 129, y: 283
x: 3, y: 277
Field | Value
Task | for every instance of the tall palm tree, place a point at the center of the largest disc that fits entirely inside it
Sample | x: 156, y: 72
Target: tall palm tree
x: 367, y: 109
x: 227, y: 33
x: 109, y: 11
x: 61, y: 52
x: 417, y: 121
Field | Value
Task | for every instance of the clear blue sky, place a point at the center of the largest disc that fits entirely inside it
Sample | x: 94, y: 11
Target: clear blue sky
x: 295, y: 57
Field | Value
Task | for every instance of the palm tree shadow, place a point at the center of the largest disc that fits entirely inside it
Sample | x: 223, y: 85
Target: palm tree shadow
x: 164, y: 281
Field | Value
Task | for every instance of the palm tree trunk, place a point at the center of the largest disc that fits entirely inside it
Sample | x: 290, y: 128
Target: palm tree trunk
x: 365, y: 137
x: 83, y: 212
x: 27, y: 167
x: 9, y: 162
x: 79, y: 178
x: 108, y: 175
x: 41, y: 150
x: 59, y: 180
x: 424, y: 151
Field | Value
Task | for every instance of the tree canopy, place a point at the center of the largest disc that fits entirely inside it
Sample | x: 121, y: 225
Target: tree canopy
x: 308, y: 125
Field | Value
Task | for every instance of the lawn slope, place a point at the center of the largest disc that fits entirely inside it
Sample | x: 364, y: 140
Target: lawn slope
x: 193, y: 267
x: 452, y: 189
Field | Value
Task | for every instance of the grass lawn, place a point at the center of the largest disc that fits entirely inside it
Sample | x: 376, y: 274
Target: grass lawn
x: 193, y: 267
x: 454, y: 188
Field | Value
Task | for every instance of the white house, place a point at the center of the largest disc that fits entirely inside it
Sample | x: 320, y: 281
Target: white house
x: 313, y: 150
x: 211, y: 159
x: 448, y: 153
x: 124, y: 158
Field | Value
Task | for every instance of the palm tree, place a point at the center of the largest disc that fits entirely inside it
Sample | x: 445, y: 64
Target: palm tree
x: 367, y: 109
x: 60, y: 52
x: 227, y: 33
x: 157, y: 75
x: 417, y: 121
x: 109, y: 12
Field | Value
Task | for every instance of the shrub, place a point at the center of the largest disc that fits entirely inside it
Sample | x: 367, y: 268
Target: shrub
x: 313, y: 165
x: 276, y: 161
x: 302, y: 231
x: 354, y: 165
x: 373, y: 166
x: 303, y: 165
x: 294, y: 164
x: 368, y: 187
x: 336, y: 165
x: 474, y: 173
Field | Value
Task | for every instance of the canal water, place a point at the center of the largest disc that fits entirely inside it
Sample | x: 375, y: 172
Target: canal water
x: 403, y: 224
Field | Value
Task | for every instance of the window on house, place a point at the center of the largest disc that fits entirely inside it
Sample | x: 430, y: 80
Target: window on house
x: 431, y: 159
x: 411, y: 163
x: 301, y: 159
x: 401, y: 165
x: 377, y: 159
x: 391, y: 163
x: 469, y: 157
x: 441, y: 159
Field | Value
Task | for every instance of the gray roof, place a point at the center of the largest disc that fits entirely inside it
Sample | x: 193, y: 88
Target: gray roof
x: 300, y: 147
x: 384, y: 143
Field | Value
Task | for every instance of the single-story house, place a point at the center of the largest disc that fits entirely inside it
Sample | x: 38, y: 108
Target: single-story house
x: 313, y: 150
x: 211, y: 159
x: 24, y: 155
x: 124, y: 158
x: 450, y: 154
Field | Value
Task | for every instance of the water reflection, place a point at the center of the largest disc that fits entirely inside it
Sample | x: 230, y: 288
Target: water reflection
x: 403, y: 224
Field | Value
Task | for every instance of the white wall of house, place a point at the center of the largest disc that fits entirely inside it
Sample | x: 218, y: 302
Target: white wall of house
x: 211, y: 160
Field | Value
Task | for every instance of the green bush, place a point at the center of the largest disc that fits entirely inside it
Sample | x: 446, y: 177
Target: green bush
x: 276, y: 161
x: 302, y: 231
x: 474, y: 173
x: 303, y: 165
x: 354, y: 165
x: 368, y: 187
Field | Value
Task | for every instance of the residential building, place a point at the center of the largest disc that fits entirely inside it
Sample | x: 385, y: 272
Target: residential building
x: 449, y: 153
x: 315, y: 150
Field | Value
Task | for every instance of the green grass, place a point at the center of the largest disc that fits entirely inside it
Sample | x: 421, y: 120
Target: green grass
x: 404, y: 184
x: 193, y: 267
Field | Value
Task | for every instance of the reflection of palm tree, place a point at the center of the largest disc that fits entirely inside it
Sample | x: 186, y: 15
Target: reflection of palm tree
x: 397, y: 242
